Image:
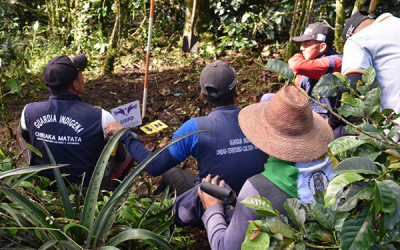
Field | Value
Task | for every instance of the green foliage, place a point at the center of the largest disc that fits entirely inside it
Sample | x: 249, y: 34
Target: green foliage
x: 122, y: 216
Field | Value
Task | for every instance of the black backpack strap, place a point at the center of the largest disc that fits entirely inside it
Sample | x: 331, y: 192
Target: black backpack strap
x: 270, y: 191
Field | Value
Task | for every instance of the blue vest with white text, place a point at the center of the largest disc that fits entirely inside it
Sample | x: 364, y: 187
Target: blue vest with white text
x: 225, y: 151
x: 71, y: 129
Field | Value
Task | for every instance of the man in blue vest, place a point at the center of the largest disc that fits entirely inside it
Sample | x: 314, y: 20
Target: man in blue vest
x: 224, y: 151
x: 72, y: 129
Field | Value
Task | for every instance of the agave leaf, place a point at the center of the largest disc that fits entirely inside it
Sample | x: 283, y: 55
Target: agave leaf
x: 296, y: 212
x: 385, y: 200
x: 337, y: 184
x: 140, y: 234
x: 279, y: 67
x: 34, y: 211
x: 109, y: 248
x: 358, y: 233
x: 29, y: 169
x: 323, y: 215
x: 357, y: 165
x: 357, y: 191
x: 57, y: 244
x: 165, y: 226
x: 62, y: 190
x: 123, y: 189
x: 94, y: 185
x: 259, y: 203
x: 345, y: 143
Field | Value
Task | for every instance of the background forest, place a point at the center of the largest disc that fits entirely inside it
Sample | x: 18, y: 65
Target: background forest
x: 113, y: 34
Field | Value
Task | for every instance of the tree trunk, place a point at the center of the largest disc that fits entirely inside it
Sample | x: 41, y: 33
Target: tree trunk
x: 340, y: 17
x: 202, y: 16
x: 120, y: 10
x: 357, y: 6
x: 372, y: 6
x: 301, y: 16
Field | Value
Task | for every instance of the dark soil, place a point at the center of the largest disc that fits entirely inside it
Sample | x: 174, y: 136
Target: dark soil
x: 127, y: 85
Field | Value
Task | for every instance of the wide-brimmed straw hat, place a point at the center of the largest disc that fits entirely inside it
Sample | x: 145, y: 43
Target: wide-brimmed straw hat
x: 286, y: 127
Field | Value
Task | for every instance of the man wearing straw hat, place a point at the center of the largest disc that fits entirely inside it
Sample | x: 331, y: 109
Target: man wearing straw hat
x: 296, y: 138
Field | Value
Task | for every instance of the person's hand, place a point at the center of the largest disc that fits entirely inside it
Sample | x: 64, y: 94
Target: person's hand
x: 207, y: 199
x: 112, y: 128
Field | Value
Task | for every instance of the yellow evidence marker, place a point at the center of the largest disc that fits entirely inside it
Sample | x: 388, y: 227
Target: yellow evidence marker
x: 153, y: 127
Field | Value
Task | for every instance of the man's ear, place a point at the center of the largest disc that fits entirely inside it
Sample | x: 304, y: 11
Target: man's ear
x: 236, y: 92
x: 75, y: 85
x: 323, y: 47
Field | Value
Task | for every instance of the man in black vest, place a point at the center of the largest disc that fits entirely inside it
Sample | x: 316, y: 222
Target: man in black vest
x: 72, y: 129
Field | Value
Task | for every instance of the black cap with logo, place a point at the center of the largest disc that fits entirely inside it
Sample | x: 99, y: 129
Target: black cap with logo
x: 61, y: 71
x: 317, y: 31
x: 353, y: 22
x: 217, y: 79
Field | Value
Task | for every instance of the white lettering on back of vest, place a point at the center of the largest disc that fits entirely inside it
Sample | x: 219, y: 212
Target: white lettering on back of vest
x: 76, y: 126
x: 44, y: 120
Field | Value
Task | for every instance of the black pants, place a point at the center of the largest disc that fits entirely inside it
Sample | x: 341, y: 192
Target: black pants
x: 177, y: 179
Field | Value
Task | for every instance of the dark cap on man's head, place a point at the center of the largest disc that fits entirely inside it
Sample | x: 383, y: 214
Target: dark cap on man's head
x: 353, y: 22
x: 317, y: 31
x: 61, y: 71
x: 217, y: 79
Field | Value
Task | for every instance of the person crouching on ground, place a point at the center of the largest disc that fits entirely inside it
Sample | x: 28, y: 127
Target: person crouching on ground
x: 296, y: 138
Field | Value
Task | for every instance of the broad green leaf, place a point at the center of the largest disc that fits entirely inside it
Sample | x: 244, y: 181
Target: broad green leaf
x: 300, y: 246
x: 339, y: 224
x: 357, y: 191
x: 390, y: 222
x: 29, y: 169
x: 323, y: 215
x: 281, y: 228
x: 357, y: 165
x: 325, y: 87
x: 367, y: 151
x: 257, y: 241
x: 345, y: 143
x: 395, y: 165
x: 142, y: 235
x: 279, y: 67
x: 391, y: 235
x: 317, y: 233
x: 371, y: 74
x: 358, y: 233
x: 259, y: 203
x: 347, y: 110
x: 13, y: 85
x: 385, y: 200
x: 4, y: 113
x: 393, y: 132
x: 353, y: 101
x: 37, y: 233
x: 337, y: 184
x: 290, y: 246
x: 393, y: 153
x: 296, y: 212
x: 372, y: 101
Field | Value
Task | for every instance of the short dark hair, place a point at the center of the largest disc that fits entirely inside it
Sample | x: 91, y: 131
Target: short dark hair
x: 64, y: 88
x: 224, y: 100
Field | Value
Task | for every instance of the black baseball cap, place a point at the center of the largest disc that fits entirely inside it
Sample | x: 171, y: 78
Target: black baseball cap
x: 217, y: 79
x: 317, y: 31
x: 353, y: 22
x: 62, y: 70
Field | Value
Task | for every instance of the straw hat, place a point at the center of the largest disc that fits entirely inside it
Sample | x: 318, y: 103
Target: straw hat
x: 286, y: 128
